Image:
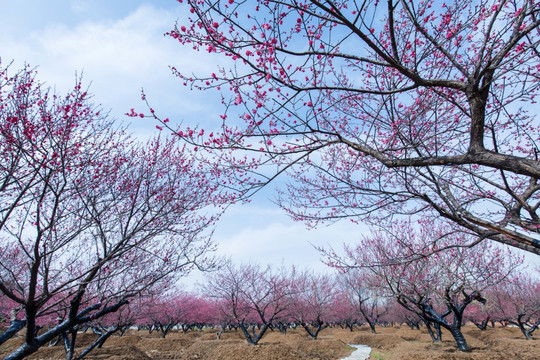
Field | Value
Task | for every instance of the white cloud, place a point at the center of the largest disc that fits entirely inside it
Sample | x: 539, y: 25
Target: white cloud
x: 265, y: 235
x: 119, y: 58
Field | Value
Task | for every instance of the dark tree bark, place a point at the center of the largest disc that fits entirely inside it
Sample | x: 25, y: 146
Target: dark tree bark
x: 527, y: 328
x: 315, y: 328
x: 482, y: 325
x: 104, y: 335
x: 413, y: 323
x: 435, y: 336
x: 34, y: 343
x: 454, y: 306
x: 254, y: 337
x: 14, y: 327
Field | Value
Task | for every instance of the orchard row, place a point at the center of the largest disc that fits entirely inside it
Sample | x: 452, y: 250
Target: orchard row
x: 254, y: 299
x: 414, y: 117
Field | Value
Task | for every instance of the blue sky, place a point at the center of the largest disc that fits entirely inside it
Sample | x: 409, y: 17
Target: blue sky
x: 120, y: 48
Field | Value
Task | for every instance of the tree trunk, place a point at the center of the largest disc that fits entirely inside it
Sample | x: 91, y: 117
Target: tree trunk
x: 318, y: 327
x: 33, y: 344
x: 253, y: 340
x: 435, y: 336
x: 482, y: 325
x: 372, y: 326
x: 69, y: 343
x: 14, y: 327
x: 98, y: 343
x: 23, y: 351
x: 527, y: 332
x: 460, y: 339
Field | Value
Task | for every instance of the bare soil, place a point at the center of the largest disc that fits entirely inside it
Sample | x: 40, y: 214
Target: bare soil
x: 392, y: 343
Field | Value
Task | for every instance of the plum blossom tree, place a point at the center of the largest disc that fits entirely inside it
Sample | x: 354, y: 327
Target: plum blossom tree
x: 89, y: 218
x: 162, y: 313
x: 378, y: 108
x: 177, y: 309
x: 114, y: 322
x: 437, y: 288
x: 364, y: 298
x: 252, y: 295
x: 222, y: 317
x: 311, y: 301
x: 397, y: 314
x: 517, y: 301
x: 344, y: 313
x: 199, y: 312
x: 482, y: 314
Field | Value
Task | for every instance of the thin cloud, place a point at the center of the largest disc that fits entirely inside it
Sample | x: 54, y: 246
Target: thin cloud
x: 119, y: 58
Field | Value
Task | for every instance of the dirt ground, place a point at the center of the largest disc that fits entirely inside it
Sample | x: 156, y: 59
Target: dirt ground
x: 388, y: 344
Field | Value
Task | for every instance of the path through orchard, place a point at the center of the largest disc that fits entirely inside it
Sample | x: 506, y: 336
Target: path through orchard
x: 361, y: 353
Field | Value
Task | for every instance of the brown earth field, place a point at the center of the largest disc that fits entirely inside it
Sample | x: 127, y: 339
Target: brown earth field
x: 399, y: 342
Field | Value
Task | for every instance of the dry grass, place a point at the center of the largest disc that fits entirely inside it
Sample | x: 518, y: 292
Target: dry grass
x: 389, y: 344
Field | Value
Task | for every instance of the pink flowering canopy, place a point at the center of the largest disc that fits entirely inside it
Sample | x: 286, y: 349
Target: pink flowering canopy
x: 88, y: 217
x: 377, y: 107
